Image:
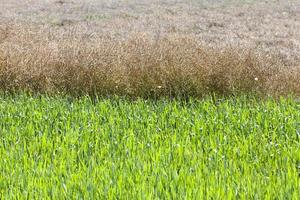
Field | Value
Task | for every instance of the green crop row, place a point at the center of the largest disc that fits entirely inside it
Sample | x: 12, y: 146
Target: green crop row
x: 61, y: 148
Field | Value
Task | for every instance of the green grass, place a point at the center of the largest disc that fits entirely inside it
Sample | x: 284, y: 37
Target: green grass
x: 60, y: 148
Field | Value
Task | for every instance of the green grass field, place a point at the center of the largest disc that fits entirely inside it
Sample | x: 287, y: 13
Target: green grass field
x: 60, y: 148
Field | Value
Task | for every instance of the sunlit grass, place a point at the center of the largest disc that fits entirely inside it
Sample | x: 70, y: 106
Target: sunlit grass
x: 231, y: 148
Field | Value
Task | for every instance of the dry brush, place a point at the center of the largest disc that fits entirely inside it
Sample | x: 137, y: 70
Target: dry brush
x: 42, y: 59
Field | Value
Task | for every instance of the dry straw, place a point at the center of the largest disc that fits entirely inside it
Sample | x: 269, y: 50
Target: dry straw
x: 44, y: 60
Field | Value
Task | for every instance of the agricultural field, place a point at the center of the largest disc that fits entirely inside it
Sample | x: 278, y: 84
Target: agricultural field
x: 149, y: 99
x: 115, y: 148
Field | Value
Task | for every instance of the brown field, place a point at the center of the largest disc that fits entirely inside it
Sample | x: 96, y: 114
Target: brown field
x: 150, y: 48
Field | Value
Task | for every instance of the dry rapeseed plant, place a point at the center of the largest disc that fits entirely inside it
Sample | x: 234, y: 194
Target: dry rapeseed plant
x: 42, y: 60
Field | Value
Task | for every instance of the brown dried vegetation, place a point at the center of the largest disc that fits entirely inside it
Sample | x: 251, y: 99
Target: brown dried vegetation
x: 39, y: 60
x: 150, y: 48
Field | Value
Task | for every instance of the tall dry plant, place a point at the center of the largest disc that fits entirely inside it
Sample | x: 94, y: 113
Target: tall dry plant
x: 45, y: 60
